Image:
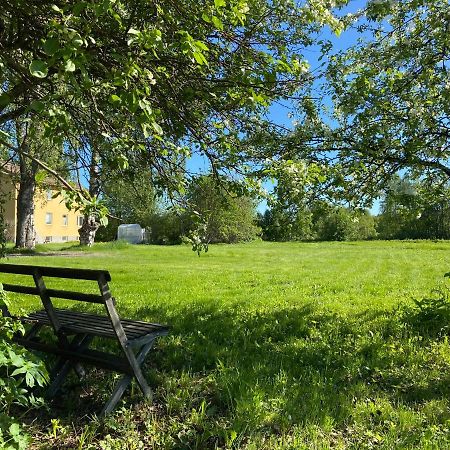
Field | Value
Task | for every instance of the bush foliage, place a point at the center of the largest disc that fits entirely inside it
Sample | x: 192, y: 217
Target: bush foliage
x: 20, y: 372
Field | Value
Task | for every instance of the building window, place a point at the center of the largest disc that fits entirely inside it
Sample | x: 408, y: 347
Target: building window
x: 65, y: 238
x: 65, y: 220
x: 49, y: 194
x: 47, y: 239
x: 48, y: 218
x: 80, y: 220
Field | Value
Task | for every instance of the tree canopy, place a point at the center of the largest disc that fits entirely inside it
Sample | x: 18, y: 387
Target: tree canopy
x: 381, y: 106
x: 163, y: 79
x: 125, y: 80
x: 391, y: 94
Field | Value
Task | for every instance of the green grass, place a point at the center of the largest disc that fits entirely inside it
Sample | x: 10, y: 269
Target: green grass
x: 274, y: 346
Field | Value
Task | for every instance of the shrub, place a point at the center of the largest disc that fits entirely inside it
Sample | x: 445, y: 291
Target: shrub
x: 20, y: 372
x: 166, y: 228
x: 225, y: 216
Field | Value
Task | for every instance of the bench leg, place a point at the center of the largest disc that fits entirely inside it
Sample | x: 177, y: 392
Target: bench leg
x: 63, y: 366
x: 136, y: 362
x: 58, y: 378
x: 125, y: 381
x: 118, y: 391
x: 31, y: 333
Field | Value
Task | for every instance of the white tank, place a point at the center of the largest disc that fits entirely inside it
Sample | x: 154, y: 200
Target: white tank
x: 130, y: 232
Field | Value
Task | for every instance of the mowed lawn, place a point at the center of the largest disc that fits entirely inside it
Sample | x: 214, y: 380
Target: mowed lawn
x: 273, y: 345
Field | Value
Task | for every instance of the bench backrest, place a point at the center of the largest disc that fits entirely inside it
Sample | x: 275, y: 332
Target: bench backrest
x: 39, y: 272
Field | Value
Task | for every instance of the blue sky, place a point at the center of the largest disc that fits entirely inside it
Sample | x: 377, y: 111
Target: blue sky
x: 279, y: 112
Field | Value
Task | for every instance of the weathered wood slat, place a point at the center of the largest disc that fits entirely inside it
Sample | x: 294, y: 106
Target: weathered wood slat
x: 128, y: 322
x: 77, y: 322
x: 62, y: 272
x: 31, y: 290
x: 93, y: 357
x: 54, y: 293
x: 73, y: 325
x: 79, y: 296
x: 68, y: 317
x: 75, y: 331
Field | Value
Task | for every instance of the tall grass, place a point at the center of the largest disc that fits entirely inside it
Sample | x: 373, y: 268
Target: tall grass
x: 321, y: 345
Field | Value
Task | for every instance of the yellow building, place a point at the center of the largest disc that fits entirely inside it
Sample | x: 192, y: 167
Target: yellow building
x: 53, y: 221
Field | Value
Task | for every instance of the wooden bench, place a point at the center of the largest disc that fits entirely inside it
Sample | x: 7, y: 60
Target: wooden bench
x: 75, y: 331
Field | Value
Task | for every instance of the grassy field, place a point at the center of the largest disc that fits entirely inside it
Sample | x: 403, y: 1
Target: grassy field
x: 273, y: 346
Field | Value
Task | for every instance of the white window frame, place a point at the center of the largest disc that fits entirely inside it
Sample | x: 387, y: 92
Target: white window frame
x: 48, y: 218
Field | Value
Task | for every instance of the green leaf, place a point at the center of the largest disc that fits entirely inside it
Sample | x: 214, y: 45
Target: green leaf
x: 201, y: 45
x: 57, y: 9
x: 219, y: 3
x: 29, y: 379
x: 115, y: 99
x: 200, y: 58
x: 134, y: 35
x: 145, y: 130
x: 217, y: 22
x: 5, y: 99
x: 40, y: 176
x: 16, y: 360
x: 38, y: 68
x: 77, y: 41
x: 14, y: 429
x: 19, y: 371
x: 70, y: 66
x: 51, y: 46
x: 79, y: 8
x: 157, y: 128
x: 37, y: 105
x: 4, y: 134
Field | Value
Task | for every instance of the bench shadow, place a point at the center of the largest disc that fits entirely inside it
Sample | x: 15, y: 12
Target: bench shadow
x: 316, y: 361
x: 296, y: 365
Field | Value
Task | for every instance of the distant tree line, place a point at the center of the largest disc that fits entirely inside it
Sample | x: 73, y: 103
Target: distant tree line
x: 322, y: 222
x: 215, y: 213
x: 414, y: 209
x: 409, y: 209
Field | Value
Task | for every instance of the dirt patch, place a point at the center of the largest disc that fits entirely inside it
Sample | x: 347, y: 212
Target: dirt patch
x: 70, y: 254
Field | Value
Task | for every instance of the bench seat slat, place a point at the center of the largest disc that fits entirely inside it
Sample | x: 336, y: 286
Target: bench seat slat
x: 131, y: 324
x: 78, y: 322
x: 70, y: 326
x: 134, y: 328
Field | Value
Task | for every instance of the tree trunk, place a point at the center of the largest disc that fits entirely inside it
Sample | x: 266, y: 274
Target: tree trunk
x: 88, y: 230
x: 26, y: 233
x: 90, y: 223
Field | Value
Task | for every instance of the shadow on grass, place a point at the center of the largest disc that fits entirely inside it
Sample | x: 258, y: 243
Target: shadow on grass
x: 270, y: 371
x: 315, y: 364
